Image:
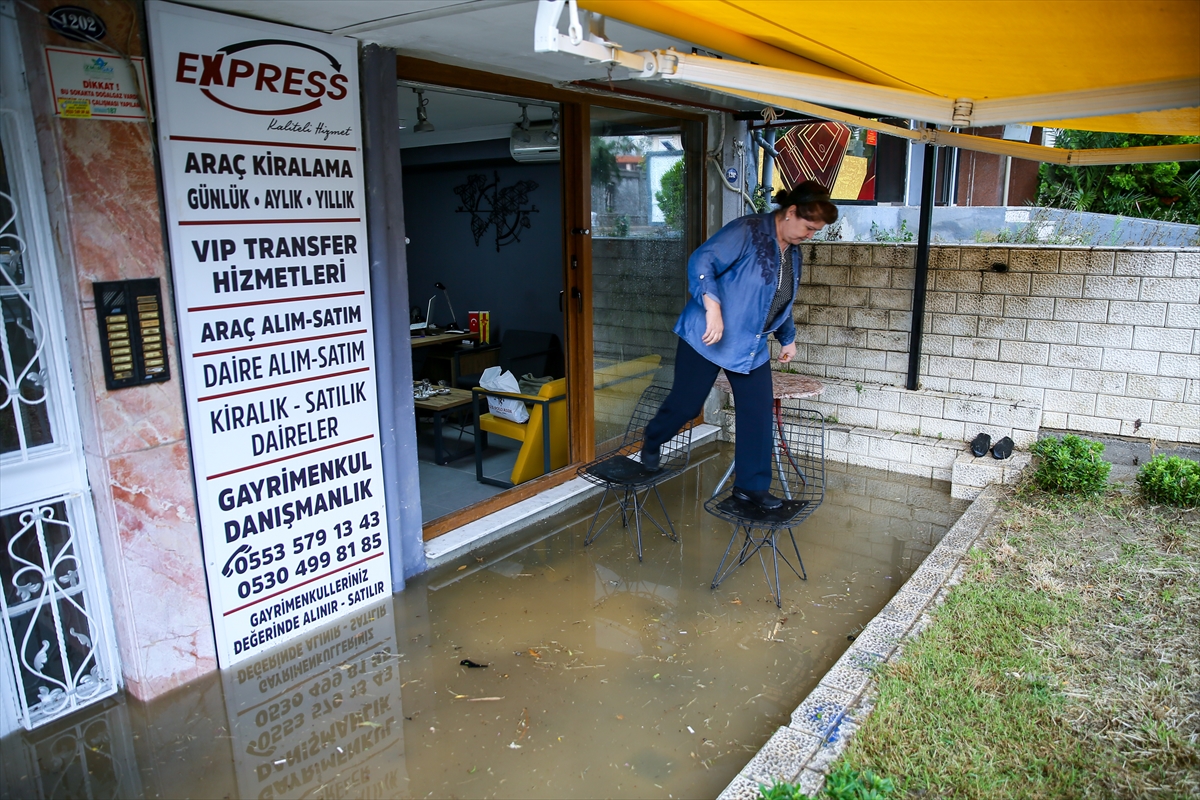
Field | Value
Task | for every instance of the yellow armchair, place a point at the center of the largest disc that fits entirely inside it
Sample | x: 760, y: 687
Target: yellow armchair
x: 539, y: 454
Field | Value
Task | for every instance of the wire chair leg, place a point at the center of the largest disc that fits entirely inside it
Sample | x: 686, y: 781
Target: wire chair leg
x: 591, y: 537
x: 718, y: 576
x: 803, y: 572
x: 673, y: 535
x: 724, y: 478
x: 776, y: 590
x: 637, y: 521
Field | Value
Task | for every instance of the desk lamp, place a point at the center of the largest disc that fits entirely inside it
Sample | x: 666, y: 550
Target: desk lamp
x: 453, y: 328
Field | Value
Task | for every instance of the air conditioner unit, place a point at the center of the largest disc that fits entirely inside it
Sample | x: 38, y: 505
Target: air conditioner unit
x: 537, y: 142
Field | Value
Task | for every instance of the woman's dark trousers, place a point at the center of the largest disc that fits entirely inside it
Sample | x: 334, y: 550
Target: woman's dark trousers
x: 753, y: 398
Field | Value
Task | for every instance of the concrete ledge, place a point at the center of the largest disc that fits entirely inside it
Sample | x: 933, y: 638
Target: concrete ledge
x: 487, y: 529
x: 971, y: 475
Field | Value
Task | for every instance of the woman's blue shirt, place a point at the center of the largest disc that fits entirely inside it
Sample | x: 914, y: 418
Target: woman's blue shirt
x: 739, y: 267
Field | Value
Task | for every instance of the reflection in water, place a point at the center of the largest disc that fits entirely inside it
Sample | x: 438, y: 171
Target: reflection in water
x: 320, y: 717
x: 601, y: 676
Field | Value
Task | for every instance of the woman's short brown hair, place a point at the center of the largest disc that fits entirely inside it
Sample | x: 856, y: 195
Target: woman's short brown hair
x: 811, y: 200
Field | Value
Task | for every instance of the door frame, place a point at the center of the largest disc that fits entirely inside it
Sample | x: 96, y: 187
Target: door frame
x: 577, y: 251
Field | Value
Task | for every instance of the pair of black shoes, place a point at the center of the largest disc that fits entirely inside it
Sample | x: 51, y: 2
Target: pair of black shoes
x: 982, y: 443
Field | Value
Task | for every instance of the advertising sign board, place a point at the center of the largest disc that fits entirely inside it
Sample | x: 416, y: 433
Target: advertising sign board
x: 261, y: 152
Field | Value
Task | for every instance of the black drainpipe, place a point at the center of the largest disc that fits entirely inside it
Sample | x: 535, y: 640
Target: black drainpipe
x: 922, y: 275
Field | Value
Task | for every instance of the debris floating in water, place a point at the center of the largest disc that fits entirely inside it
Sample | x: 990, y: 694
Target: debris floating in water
x: 466, y: 662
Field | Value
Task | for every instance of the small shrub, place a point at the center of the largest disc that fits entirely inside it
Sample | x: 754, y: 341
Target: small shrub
x: 843, y: 783
x: 781, y: 790
x: 899, y: 235
x: 847, y: 783
x: 1070, y: 465
x: 1171, y: 481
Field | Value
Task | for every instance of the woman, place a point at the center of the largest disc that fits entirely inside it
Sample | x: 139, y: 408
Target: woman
x: 742, y: 282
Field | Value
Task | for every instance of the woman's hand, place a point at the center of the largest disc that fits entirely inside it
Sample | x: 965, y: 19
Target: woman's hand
x: 787, y: 353
x: 714, y: 324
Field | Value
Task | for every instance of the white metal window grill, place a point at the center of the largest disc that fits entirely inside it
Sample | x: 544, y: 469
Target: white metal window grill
x: 24, y: 411
x: 55, y: 642
x: 59, y: 652
x: 92, y: 758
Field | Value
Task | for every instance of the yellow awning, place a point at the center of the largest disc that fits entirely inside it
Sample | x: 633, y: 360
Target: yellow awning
x: 1077, y: 55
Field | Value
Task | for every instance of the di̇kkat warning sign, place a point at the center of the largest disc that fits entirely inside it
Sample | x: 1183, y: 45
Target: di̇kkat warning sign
x: 88, y: 84
x: 261, y: 154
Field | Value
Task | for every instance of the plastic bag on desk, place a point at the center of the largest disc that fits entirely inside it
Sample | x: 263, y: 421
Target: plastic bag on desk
x: 497, y: 380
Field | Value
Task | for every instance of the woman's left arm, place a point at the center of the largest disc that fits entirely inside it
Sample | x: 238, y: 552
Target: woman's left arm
x: 786, y: 334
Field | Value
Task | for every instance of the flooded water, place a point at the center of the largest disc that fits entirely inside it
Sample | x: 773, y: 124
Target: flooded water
x: 597, y: 676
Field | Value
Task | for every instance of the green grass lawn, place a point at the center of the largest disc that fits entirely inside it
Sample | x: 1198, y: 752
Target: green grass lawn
x: 1066, y: 663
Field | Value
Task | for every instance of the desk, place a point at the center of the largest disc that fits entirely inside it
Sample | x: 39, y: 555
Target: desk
x: 439, y: 405
x: 444, y: 358
x: 442, y: 338
x: 784, y: 386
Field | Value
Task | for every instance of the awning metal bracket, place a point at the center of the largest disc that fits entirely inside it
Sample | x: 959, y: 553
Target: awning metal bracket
x: 820, y: 96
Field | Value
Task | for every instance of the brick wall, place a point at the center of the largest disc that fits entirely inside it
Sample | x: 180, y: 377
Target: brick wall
x: 1094, y: 340
x: 1100, y: 341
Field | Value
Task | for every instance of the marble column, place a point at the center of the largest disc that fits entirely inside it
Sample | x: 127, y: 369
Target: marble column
x: 103, y: 197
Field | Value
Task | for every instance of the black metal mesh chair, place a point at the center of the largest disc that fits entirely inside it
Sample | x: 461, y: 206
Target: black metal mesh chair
x: 799, y: 479
x: 623, y: 476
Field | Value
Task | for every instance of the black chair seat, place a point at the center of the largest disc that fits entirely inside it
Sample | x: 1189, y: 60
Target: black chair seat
x: 798, y: 478
x: 629, y: 481
x: 622, y: 470
x: 735, y: 510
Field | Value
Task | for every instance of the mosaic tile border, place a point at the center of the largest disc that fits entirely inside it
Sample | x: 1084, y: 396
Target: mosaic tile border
x: 823, y: 724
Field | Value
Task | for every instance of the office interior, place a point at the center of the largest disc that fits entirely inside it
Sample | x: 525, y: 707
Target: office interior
x: 483, y: 218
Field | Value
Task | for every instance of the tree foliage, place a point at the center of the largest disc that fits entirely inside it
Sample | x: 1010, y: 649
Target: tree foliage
x: 1168, y: 191
x: 672, y: 198
x: 605, y: 150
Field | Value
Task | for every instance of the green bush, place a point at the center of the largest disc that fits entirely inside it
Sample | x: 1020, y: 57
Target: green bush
x: 780, y: 790
x: 1171, y: 481
x: 843, y: 783
x: 1070, y: 465
x: 847, y: 783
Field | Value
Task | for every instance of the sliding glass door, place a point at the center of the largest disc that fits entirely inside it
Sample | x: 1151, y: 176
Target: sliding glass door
x: 645, y: 214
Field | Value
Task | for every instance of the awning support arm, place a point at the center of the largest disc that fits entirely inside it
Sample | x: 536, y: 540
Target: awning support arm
x: 982, y: 144
x: 815, y: 95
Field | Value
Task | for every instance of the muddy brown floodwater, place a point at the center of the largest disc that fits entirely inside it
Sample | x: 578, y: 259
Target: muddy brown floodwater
x: 596, y: 676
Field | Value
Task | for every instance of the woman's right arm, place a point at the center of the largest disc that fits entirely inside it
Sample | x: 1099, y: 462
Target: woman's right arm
x: 723, y: 250
x: 714, y: 324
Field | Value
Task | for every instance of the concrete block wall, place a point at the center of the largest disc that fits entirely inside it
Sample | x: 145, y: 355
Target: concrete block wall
x: 922, y: 432
x: 1099, y: 340
x: 639, y: 288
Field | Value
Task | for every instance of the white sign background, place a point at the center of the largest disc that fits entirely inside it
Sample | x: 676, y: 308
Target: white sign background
x: 261, y: 152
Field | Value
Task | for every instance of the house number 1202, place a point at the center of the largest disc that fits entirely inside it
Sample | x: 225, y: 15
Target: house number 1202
x: 77, y: 23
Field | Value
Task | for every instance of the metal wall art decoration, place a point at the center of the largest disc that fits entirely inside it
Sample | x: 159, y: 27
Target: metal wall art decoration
x: 507, y: 209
